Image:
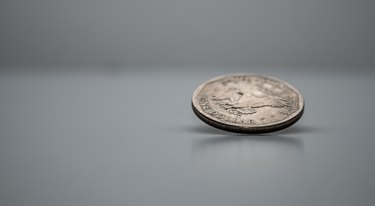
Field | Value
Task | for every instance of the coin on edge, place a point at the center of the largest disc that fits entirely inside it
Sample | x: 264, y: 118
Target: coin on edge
x: 248, y: 103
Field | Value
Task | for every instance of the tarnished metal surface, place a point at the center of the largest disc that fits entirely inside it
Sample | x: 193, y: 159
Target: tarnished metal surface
x: 247, y: 103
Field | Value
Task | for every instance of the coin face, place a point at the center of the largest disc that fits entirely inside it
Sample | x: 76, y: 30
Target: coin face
x: 248, y: 103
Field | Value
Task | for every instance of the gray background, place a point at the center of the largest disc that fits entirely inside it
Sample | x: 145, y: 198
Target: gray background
x: 196, y: 32
x: 95, y: 103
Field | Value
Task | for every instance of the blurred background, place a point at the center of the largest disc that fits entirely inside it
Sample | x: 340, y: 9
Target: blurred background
x: 176, y: 33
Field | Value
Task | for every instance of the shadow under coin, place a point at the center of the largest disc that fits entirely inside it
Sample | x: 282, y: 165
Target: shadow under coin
x: 292, y: 130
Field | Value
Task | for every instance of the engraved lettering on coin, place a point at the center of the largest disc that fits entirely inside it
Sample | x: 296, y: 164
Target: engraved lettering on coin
x: 248, y: 103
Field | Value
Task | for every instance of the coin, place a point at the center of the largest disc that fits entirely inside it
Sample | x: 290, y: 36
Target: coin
x: 248, y: 103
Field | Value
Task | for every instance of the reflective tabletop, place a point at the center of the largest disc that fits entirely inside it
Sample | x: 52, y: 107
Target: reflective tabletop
x: 129, y: 137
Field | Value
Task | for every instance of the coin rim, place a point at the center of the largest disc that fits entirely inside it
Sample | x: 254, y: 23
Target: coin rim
x: 271, y: 127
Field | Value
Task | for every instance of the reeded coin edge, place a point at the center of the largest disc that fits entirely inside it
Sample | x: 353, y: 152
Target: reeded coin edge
x: 294, y: 117
x: 248, y: 130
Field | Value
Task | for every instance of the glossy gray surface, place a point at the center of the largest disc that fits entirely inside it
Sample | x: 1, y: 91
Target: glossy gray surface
x: 129, y: 137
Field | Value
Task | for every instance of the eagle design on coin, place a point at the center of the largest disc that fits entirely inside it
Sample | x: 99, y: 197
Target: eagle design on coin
x: 248, y: 103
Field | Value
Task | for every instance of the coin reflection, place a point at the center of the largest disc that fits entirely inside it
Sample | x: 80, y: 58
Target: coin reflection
x: 252, y: 151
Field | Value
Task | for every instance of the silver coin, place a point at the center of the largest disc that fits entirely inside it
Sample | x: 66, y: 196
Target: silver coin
x: 248, y: 103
